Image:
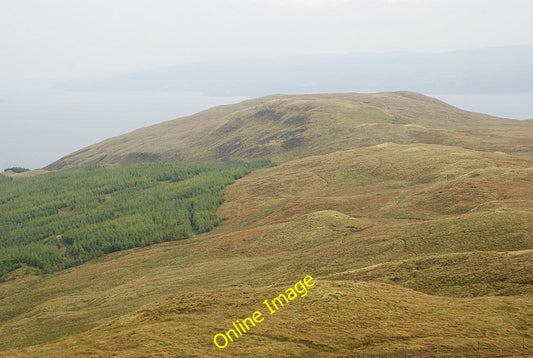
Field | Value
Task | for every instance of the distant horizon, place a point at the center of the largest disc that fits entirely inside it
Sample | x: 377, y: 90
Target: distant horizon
x: 504, y: 69
x: 81, y: 78
x: 49, y: 42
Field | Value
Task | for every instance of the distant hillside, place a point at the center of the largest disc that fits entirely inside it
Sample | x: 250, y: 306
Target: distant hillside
x: 487, y: 70
x: 283, y: 127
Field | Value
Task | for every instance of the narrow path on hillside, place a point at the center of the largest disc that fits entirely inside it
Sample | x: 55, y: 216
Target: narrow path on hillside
x: 319, y: 176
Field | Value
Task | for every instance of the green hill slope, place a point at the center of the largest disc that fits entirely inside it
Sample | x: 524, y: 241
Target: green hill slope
x: 282, y: 128
x: 412, y: 247
x: 414, y: 218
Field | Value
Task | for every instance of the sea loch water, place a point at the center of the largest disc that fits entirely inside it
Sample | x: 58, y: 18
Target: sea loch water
x: 39, y: 127
x: 506, y: 105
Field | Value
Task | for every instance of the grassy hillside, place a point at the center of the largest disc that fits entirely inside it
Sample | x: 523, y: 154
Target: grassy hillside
x: 56, y: 220
x: 337, y: 319
x: 282, y: 128
x: 466, y: 274
x: 413, y: 247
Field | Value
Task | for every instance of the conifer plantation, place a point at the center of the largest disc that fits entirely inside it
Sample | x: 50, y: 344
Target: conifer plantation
x: 61, y: 219
x: 4, y: 178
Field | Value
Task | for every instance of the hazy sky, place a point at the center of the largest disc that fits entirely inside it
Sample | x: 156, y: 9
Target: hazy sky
x: 45, y: 41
